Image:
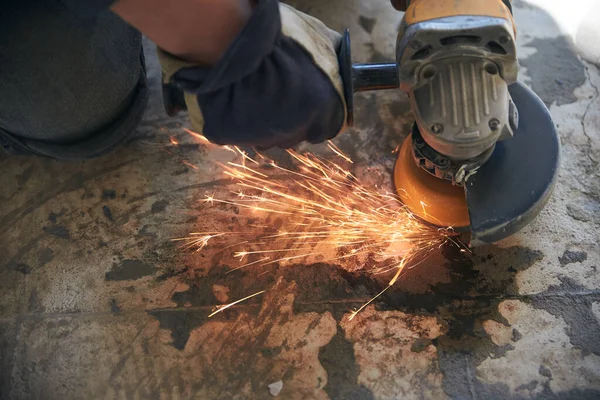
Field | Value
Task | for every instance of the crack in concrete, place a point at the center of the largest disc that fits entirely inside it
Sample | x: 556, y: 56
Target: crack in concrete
x: 349, y: 302
x: 470, y: 379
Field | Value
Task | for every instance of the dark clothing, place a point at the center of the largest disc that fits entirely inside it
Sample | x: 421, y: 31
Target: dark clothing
x: 71, y: 86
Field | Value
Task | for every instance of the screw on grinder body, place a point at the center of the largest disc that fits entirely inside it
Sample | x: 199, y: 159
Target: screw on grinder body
x: 469, y: 162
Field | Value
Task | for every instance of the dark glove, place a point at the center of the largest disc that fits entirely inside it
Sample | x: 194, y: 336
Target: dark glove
x: 278, y: 84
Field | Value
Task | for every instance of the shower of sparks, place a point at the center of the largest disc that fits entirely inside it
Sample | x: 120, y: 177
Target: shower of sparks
x: 328, y: 216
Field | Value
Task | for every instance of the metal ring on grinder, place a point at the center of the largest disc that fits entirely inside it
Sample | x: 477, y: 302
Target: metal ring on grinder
x: 432, y: 199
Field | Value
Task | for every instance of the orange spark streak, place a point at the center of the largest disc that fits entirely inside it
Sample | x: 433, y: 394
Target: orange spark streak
x: 197, y: 135
x: 225, y: 306
x: 189, y: 164
x: 247, y: 265
x: 337, y: 151
x: 390, y: 284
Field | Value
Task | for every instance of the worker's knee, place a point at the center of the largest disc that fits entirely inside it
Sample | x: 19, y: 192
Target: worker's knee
x: 71, y: 88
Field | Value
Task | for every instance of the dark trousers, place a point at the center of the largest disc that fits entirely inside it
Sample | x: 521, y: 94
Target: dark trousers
x: 70, y: 87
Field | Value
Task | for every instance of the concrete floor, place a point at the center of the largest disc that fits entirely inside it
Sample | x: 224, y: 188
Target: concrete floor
x: 97, y: 302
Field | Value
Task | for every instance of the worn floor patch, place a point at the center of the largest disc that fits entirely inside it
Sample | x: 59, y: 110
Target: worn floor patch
x: 554, y: 58
x: 527, y: 373
x: 384, y: 345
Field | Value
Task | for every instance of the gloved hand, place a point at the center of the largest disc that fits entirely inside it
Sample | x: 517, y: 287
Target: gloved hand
x: 278, y: 83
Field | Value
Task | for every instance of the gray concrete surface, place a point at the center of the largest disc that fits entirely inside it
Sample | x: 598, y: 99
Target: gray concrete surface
x: 97, y: 302
x: 578, y: 21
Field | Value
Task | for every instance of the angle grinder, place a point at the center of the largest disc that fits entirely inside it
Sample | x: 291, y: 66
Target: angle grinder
x: 483, y: 154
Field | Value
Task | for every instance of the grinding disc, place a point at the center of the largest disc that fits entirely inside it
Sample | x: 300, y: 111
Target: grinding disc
x: 505, y: 194
x: 513, y: 186
x: 434, y: 200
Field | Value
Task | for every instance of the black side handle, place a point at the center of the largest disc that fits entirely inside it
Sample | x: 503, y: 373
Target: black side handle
x: 374, y: 76
x: 345, y: 63
x: 362, y: 77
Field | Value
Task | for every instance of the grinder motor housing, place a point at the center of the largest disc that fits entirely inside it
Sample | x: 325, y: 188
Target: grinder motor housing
x: 456, y: 60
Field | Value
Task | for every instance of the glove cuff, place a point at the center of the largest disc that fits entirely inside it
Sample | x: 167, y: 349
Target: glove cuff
x: 320, y: 42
